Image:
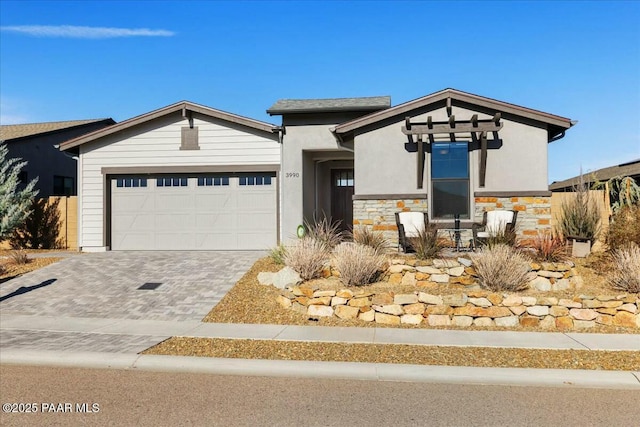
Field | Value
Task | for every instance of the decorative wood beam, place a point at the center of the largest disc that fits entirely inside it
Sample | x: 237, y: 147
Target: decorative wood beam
x: 407, y: 124
x: 460, y: 127
x: 449, y: 108
x: 452, y: 123
x: 496, y: 118
x: 483, y: 158
x: 474, y: 120
x: 429, y: 122
x: 420, y: 162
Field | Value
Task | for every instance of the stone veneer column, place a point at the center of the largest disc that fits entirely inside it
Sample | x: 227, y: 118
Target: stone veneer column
x: 379, y: 214
x: 534, y: 213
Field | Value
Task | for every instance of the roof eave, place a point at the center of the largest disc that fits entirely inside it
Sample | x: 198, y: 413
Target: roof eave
x: 170, y: 109
x: 465, y: 97
x: 279, y: 112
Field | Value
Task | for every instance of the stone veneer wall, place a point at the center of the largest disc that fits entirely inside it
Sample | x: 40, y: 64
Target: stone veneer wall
x: 379, y: 214
x: 534, y: 213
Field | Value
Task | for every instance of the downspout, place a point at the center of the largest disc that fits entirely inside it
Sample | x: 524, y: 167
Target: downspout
x: 557, y: 137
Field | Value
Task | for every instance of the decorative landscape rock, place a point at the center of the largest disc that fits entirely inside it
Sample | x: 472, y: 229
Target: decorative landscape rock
x: 471, y: 306
x: 286, y: 277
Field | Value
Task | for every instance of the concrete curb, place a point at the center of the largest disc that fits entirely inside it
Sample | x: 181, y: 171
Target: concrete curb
x: 334, y: 370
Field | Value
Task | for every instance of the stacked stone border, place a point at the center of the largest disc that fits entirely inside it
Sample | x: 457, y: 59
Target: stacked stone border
x: 471, y: 305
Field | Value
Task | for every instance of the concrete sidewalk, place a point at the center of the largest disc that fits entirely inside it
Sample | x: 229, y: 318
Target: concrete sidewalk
x: 433, y: 337
x: 114, y: 343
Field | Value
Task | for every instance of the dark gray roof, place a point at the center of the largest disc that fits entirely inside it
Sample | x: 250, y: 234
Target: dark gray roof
x: 372, y: 103
x: 631, y: 169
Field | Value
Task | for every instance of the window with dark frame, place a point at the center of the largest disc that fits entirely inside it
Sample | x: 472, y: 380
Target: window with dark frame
x: 450, y: 180
x: 172, y: 181
x: 343, y: 178
x: 255, y: 180
x: 131, y: 182
x: 213, y: 181
x: 63, y: 185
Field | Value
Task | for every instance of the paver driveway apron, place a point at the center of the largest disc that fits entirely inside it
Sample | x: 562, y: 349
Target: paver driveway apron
x: 105, y: 285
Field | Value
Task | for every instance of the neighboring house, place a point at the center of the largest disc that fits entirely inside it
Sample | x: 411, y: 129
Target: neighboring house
x: 192, y: 177
x: 181, y: 177
x: 449, y: 153
x: 37, y: 144
x: 630, y: 169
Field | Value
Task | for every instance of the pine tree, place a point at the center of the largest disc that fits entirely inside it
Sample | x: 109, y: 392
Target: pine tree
x: 14, y: 203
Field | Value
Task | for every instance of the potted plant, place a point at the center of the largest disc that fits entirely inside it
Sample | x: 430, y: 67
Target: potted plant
x: 579, y: 220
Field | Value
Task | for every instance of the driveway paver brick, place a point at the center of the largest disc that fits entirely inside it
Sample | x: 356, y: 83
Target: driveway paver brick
x: 105, y: 285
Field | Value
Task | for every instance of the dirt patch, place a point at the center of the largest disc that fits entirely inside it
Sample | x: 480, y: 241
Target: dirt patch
x: 12, y: 270
x: 404, y: 354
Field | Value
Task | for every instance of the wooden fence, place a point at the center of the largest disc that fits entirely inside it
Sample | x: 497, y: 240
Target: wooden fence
x: 68, y: 225
x: 598, y: 195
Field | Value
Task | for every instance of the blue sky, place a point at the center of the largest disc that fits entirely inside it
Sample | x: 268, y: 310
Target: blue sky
x: 575, y: 59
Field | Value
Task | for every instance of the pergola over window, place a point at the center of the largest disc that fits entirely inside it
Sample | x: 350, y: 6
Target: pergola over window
x: 473, y: 129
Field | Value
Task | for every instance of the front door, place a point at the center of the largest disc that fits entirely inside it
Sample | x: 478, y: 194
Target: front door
x: 342, y: 197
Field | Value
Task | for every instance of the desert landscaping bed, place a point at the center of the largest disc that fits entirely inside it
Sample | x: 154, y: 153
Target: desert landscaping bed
x: 403, y: 354
x: 251, y: 302
x: 12, y: 270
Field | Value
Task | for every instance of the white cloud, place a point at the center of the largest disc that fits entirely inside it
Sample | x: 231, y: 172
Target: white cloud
x: 11, y: 112
x: 71, y: 31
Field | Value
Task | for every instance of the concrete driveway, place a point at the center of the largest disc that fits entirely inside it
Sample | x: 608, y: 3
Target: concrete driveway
x: 106, y: 285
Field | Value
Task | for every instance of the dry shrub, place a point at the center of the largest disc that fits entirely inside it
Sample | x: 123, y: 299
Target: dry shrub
x: 501, y: 268
x: 376, y: 240
x: 19, y: 257
x: 426, y: 244
x: 626, y: 272
x: 580, y: 214
x: 278, y: 254
x: 500, y: 236
x: 358, y: 264
x: 549, y: 247
x: 326, y: 231
x: 307, y: 256
x: 624, y: 227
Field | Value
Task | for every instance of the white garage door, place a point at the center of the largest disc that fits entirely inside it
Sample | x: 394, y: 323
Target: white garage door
x: 204, y: 212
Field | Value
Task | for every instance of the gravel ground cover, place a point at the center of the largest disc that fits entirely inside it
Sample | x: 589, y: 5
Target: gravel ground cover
x: 250, y: 302
x: 403, y: 354
x: 12, y: 270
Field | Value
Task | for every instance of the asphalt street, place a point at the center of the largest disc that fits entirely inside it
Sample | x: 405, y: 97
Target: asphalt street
x: 127, y: 397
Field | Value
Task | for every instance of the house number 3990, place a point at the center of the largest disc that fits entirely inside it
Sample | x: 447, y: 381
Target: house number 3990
x: 292, y: 175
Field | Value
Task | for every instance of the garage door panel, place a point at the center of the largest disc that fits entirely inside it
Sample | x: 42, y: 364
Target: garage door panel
x: 174, y: 241
x: 217, y: 221
x: 127, y: 221
x: 209, y: 216
x: 174, y: 202
x: 215, y: 202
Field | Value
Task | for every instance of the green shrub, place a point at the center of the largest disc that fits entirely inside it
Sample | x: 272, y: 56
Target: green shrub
x: 325, y: 231
x: 426, y: 244
x: 501, y: 268
x: 40, y: 230
x: 626, y: 271
x: 278, y: 254
x: 368, y: 237
x: 624, y: 227
x: 549, y: 247
x: 580, y: 215
x: 358, y: 264
x: 307, y: 256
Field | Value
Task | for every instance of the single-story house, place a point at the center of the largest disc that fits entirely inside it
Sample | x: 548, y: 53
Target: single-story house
x: 450, y: 153
x: 193, y: 177
x: 630, y: 169
x: 37, y: 144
